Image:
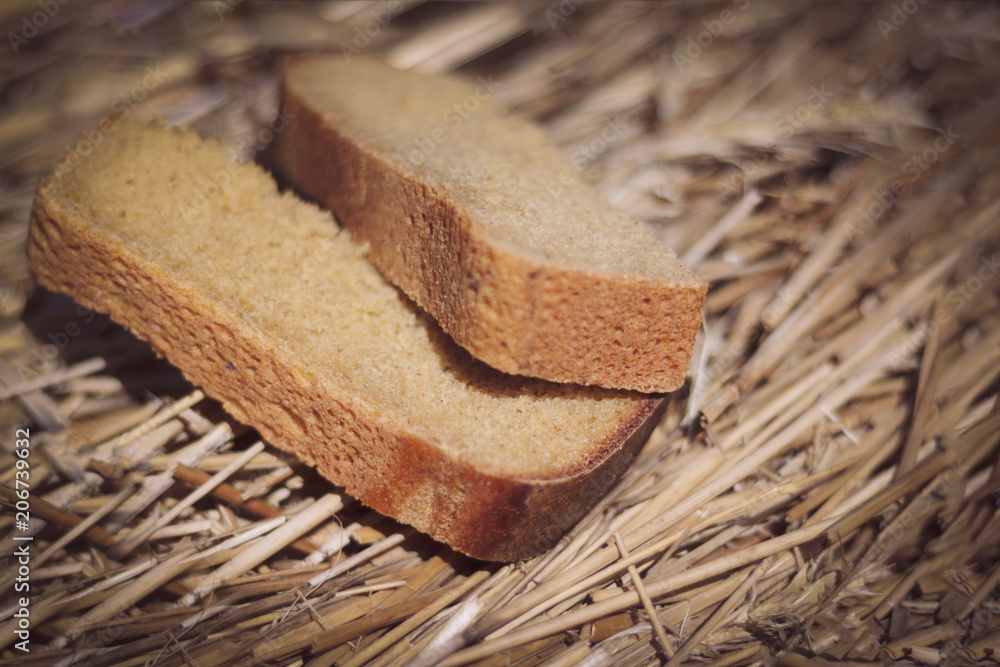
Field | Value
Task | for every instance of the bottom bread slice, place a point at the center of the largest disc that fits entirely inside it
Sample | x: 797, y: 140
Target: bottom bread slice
x: 260, y: 299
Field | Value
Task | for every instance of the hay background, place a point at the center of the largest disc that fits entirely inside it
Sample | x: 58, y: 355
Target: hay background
x: 825, y: 489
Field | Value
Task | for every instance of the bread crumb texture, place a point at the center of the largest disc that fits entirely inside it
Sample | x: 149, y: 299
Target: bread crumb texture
x: 260, y: 297
x: 284, y: 267
x: 488, y: 226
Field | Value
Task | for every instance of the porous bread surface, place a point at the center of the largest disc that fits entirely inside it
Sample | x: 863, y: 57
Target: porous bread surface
x: 545, y: 277
x: 259, y: 297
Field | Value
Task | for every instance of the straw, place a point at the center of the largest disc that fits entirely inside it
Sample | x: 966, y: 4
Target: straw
x: 823, y: 490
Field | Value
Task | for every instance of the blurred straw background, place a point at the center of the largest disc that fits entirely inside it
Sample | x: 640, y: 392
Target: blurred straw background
x: 824, y: 490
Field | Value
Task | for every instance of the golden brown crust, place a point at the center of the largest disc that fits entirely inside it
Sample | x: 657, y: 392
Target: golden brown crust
x: 510, y: 310
x: 374, y: 458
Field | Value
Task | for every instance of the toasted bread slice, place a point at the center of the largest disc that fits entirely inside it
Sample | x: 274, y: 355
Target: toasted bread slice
x: 488, y: 227
x: 259, y: 298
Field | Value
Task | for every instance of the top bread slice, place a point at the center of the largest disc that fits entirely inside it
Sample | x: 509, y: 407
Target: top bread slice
x: 259, y: 298
x: 487, y: 226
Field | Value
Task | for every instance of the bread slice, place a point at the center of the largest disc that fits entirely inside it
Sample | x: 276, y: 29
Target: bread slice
x: 258, y: 298
x: 488, y: 227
